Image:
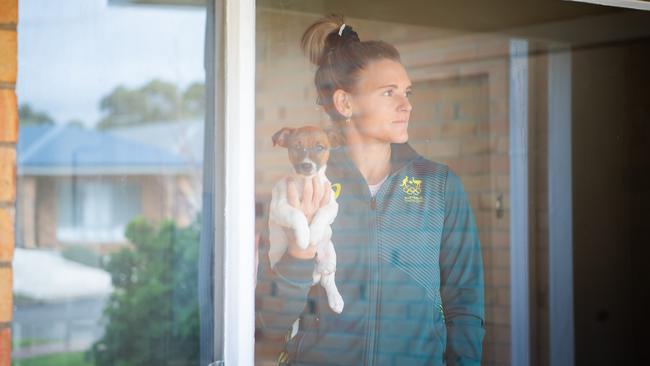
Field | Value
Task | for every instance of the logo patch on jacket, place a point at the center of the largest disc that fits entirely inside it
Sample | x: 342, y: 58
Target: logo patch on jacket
x: 336, y: 187
x: 412, y: 187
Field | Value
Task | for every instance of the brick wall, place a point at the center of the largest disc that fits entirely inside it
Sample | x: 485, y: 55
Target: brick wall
x: 460, y: 118
x: 8, y: 137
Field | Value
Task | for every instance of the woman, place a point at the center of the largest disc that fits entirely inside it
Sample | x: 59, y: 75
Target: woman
x: 409, y: 263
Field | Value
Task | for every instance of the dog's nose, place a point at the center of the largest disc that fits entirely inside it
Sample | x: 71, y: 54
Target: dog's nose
x: 305, y: 166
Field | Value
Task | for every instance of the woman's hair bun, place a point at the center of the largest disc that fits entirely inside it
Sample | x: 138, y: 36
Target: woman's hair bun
x: 335, y: 48
x: 323, y: 35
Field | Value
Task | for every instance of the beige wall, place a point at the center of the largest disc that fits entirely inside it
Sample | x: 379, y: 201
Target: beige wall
x: 8, y: 138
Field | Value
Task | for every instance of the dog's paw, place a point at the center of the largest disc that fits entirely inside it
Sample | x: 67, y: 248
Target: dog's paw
x: 325, y: 266
x: 335, y: 302
x: 302, y: 236
x: 334, y: 298
x: 316, y: 276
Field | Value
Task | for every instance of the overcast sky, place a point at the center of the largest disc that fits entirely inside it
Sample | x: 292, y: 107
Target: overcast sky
x: 73, y: 52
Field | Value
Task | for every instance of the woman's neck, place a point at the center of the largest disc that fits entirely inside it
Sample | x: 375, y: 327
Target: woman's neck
x: 372, y: 159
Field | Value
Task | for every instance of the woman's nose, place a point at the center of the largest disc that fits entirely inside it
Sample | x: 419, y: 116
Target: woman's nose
x: 405, y: 104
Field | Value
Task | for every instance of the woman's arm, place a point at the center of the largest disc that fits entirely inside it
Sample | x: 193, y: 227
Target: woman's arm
x: 280, y: 294
x: 461, y: 276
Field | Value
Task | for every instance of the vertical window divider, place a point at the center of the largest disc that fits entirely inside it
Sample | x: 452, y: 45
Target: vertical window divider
x: 519, y: 224
x: 234, y: 181
x: 560, y: 220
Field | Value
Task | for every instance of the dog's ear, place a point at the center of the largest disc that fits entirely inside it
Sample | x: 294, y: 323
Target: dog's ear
x: 282, y: 137
x: 335, y: 137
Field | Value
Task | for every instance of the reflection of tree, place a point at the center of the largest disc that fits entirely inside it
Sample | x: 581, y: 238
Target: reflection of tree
x: 194, y: 100
x: 153, y: 313
x: 156, y: 101
x: 29, y: 116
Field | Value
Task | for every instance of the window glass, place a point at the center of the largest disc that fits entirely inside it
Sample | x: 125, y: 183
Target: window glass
x: 475, y: 241
x: 109, y: 197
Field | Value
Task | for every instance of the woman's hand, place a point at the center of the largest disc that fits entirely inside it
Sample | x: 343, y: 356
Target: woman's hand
x: 314, y: 196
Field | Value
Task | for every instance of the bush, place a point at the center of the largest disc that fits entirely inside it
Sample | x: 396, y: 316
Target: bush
x: 152, y: 315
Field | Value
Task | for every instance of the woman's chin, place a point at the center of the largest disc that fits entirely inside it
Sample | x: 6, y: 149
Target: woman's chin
x: 400, y: 139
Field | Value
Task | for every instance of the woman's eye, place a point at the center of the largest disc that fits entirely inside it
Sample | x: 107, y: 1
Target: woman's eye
x: 319, y: 148
x: 388, y: 93
x: 409, y: 93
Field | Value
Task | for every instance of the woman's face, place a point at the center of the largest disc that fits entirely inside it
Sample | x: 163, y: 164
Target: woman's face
x: 380, y: 103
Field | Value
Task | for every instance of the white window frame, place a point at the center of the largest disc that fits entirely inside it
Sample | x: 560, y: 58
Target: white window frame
x: 234, y: 156
x: 234, y: 181
x: 519, y: 219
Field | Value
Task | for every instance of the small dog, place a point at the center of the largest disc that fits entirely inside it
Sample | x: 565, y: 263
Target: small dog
x: 308, y: 152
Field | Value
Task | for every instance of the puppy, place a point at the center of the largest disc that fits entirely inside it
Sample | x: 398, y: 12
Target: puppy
x: 308, y: 153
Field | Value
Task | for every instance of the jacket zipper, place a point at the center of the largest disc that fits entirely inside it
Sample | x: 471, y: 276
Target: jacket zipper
x: 373, y: 297
x: 375, y: 270
x: 375, y: 265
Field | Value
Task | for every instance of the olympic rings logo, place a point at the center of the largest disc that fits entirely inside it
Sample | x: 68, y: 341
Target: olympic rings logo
x: 411, y: 186
x: 412, y: 190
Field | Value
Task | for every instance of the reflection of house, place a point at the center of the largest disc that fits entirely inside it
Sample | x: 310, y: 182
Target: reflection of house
x: 78, y: 186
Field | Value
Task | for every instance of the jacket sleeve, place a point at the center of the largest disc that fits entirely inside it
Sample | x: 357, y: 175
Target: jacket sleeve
x: 461, y: 278
x: 280, y: 295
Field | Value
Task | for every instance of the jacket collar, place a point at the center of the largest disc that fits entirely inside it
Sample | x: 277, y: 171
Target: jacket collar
x: 400, y: 155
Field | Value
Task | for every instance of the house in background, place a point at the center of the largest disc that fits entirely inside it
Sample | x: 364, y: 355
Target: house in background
x: 82, y: 187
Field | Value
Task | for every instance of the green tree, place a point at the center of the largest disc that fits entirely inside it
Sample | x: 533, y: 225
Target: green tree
x: 152, y: 315
x: 156, y: 101
x: 30, y: 117
x: 194, y: 100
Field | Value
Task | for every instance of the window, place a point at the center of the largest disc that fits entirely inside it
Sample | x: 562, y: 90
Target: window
x: 94, y: 211
x: 527, y: 104
x: 519, y: 214
x: 112, y: 98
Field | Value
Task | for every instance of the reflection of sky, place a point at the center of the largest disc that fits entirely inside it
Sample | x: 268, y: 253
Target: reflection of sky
x: 71, y: 53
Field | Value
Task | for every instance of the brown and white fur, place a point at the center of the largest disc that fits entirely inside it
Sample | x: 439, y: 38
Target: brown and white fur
x: 308, y: 153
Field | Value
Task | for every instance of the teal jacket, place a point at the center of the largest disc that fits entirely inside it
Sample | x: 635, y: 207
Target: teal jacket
x: 409, y: 269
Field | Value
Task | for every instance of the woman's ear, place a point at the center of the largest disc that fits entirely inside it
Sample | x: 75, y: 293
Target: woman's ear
x: 341, y: 100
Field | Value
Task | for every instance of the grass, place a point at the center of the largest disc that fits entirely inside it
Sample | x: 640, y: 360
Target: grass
x: 24, y: 343
x: 58, y: 359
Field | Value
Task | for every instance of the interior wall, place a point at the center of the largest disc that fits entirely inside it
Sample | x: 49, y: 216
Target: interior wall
x: 538, y: 208
x: 610, y: 133
x: 638, y: 77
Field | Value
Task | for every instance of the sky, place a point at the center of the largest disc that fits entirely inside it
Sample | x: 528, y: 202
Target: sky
x: 71, y: 53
